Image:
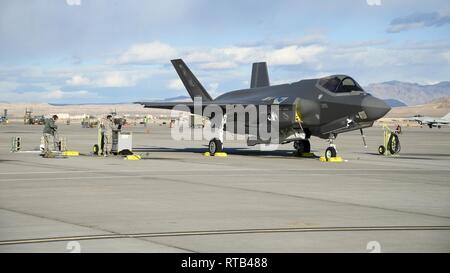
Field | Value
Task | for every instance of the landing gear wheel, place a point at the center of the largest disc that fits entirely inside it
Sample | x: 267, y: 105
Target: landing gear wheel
x: 215, y: 146
x: 307, y: 146
x: 381, y: 150
x: 302, y: 146
x: 95, y: 149
x: 330, y: 152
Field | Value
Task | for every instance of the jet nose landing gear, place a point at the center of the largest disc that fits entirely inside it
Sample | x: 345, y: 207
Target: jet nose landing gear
x: 330, y: 152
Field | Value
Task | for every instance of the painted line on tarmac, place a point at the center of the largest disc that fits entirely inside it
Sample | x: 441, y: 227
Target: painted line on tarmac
x: 153, y: 175
x: 222, y: 232
x: 225, y: 169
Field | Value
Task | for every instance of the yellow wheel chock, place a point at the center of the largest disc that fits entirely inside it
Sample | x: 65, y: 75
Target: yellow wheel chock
x: 132, y: 157
x: 218, y: 154
x: 331, y: 159
x: 305, y: 154
x: 70, y: 153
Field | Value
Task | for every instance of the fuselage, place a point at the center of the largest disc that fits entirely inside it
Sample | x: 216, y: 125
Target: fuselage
x: 322, y: 111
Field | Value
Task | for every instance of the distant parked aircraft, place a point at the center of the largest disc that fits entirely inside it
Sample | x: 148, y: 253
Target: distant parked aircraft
x: 431, y: 121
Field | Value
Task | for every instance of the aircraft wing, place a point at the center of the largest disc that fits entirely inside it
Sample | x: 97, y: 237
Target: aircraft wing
x: 163, y: 105
x: 189, y: 104
x: 440, y: 123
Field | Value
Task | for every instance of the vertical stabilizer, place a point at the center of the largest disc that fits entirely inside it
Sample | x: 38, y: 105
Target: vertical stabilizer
x: 260, y: 75
x: 193, y: 86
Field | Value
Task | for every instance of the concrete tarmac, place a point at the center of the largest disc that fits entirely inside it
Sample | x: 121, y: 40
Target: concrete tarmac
x: 177, y: 200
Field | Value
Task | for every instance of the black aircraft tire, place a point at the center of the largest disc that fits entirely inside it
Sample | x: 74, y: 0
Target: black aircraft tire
x: 95, y: 149
x: 330, y: 152
x: 306, y: 146
x: 381, y: 150
x: 302, y: 146
x: 215, y: 146
x: 394, y: 144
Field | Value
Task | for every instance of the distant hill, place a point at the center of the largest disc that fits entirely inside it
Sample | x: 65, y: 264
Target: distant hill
x: 441, y: 103
x: 435, y: 108
x: 179, y: 98
x: 394, y: 103
x: 409, y: 93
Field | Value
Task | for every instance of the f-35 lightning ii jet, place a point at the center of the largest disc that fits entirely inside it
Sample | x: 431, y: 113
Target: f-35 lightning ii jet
x: 322, y: 107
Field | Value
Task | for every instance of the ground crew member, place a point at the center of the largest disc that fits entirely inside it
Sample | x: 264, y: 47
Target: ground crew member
x: 50, y: 135
x: 107, y: 130
x: 146, y: 124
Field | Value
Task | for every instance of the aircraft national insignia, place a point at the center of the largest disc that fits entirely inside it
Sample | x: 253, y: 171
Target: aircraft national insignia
x: 268, y: 98
x: 279, y: 100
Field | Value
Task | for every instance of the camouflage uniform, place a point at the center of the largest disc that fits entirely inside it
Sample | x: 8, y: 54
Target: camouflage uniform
x: 50, y: 135
x: 107, y: 128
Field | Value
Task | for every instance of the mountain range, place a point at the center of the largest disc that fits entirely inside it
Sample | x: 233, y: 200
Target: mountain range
x: 395, y: 93
x: 409, y: 93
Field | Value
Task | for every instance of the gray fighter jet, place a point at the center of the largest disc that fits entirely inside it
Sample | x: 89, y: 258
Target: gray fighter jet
x: 431, y: 121
x: 322, y: 107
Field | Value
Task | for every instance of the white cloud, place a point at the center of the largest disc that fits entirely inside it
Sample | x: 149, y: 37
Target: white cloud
x: 58, y: 94
x: 112, y: 78
x: 213, y: 87
x: 45, y: 96
x: 115, y: 79
x: 8, y: 86
x: 447, y: 56
x: 220, y: 58
x: 418, y: 20
x: 149, y: 53
x: 73, y: 2
x: 230, y: 57
x: 176, y: 84
x: 78, y: 80
x: 373, y: 2
x: 294, y: 54
x: 218, y: 65
x: 120, y: 78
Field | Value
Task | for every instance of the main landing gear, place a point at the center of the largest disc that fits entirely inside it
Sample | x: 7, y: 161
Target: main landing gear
x: 302, y: 146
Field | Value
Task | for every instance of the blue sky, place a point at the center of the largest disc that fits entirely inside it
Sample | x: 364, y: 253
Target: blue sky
x: 75, y: 51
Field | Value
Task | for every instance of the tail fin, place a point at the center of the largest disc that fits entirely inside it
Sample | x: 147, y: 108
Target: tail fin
x: 193, y: 86
x: 260, y: 75
x: 447, y: 117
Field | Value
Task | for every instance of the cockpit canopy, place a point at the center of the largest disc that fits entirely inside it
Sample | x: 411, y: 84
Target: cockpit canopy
x: 339, y: 84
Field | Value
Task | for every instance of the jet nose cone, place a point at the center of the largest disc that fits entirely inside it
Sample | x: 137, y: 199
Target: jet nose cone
x: 374, y: 108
